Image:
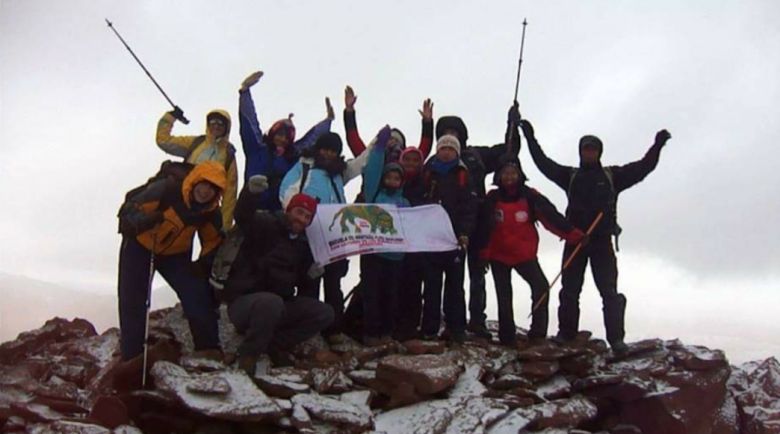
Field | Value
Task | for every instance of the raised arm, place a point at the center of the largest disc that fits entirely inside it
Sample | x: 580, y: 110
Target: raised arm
x: 426, y: 135
x: 355, y: 143
x: 317, y: 130
x: 174, y: 145
x: 631, y: 173
x: 553, y: 171
x: 372, y: 174
x: 249, y: 126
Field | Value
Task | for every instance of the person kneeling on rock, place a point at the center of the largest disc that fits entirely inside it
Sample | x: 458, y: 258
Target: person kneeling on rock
x: 273, y: 262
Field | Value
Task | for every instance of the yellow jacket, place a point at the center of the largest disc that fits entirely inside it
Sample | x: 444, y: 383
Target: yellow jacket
x: 181, y: 218
x: 197, y: 149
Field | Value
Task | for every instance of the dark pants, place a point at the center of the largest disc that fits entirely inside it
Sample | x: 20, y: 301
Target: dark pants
x: 477, y: 295
x: 410, y: 294
x: 333, y: 295
x: 603, y: 265
x: 532, y: 273
x: 380, y: 294
x: 195, y: 294
x: 266, y: 320
x: 450, y: 267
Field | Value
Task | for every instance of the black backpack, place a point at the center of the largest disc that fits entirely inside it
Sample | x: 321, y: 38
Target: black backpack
x: 172, y: 172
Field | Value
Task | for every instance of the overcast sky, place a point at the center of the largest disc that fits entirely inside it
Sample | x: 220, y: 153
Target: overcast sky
x: 78, y: 116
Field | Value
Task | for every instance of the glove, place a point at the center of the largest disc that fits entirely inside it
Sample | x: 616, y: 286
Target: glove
x: 251, y: 80
x: 315, y: 271
x: 383, y: 136
x: 178, y: 114
x: 661, y: 137
x: 258, y: 184
x: 527, y: 128
x: 463, y: 241
x: 513, y: 116
x: 576, y: 237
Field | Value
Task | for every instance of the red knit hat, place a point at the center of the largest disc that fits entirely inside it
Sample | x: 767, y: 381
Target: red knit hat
x: 304, y: 201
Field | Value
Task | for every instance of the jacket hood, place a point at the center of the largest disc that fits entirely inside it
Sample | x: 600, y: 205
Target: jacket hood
x: 211, y: 171
x: 225, y: 117
x: 452, y: 123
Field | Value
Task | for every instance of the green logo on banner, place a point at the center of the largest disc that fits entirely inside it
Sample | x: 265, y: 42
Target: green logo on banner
x: 376, y: 216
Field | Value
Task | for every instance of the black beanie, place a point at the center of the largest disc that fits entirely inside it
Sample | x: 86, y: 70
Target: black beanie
x: 330, y: 141
x: 452, y: 123
x: 505, y: 162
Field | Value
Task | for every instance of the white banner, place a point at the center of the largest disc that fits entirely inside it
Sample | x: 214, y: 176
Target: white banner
x: 341, y: 230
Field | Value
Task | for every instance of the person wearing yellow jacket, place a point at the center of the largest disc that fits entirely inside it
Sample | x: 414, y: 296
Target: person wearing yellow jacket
x: 161, y: 220
x: 214, y: 145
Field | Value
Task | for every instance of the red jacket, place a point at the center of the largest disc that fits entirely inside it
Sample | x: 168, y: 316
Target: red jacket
x: 508, y: 225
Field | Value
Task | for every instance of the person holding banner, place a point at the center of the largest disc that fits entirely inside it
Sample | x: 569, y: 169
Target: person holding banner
x: 507, y: 238
x: 381, y: 272
x: 322, y: 173
x: 273, y: 261
x: 447, y: 182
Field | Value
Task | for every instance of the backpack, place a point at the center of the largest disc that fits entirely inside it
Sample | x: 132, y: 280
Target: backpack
x: 613, y: 204
x: 172, y: 172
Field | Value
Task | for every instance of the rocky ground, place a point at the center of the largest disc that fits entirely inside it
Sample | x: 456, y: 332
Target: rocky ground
x: 65, y: 378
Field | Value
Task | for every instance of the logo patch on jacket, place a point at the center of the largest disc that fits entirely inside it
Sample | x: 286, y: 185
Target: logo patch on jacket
x: 499, y: 215
x: 521, y: 216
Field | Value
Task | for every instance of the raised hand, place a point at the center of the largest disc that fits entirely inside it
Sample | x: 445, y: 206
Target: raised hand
x: 427, y: 110
x: 329, y: 109
x: 251, y: 80
x: 662, y: 136
x: 349, y: 99
x: 513, y: 116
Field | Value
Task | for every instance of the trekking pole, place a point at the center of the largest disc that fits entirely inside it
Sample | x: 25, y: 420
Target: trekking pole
x: 517, y: 83
x: 567, y: 262
x: 111, y: 26
x: 148, y: 310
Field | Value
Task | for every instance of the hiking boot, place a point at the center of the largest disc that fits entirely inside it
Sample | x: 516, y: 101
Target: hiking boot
x: 479, y: 330
x: 562, y: 340
x: 619, y: 348
x: 336, y: 339
x: 281, y: 358
x: 248, y: 364
x: 374, y: 341
x: 454, y: 337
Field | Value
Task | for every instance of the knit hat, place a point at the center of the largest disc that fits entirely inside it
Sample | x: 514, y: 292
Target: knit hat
x: 393, y: 167
x: 453, y: 123
x: 302, y: 200
x: 591, y: 142
x: 283, y: 125
x: 330, y: 141
x: 448, y: 141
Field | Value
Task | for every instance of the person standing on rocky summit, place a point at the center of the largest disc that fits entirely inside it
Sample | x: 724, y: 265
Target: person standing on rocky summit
x: 161, y: 220
x: 213, y: 146
x: 593, y: 189
x: 272, y: 263
x: 480, y: 160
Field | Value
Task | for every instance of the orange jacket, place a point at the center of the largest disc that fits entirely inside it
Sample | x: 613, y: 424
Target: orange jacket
x: 196, y: 149
x: 180, y: 217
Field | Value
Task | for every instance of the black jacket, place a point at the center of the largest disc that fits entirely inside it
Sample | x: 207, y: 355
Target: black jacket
x: 269, y: 258
x: 455, y: 192
x: 589, y: 188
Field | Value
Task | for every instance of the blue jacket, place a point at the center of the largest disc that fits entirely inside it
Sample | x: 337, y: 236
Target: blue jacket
x: 318, y: 181
x: 372, y: 185
x: 261, y: 159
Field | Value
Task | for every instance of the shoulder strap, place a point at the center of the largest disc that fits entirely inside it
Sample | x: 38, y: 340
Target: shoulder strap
x: 230, y: 152
x: 336, y: 190
x: 305, y: 167
x: 574, y: 171
x: 195, y: 143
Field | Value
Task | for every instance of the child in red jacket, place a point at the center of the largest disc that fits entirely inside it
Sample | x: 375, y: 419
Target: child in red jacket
x: 508, y: 239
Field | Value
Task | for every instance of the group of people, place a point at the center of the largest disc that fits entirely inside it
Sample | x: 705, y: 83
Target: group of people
x: 269, y: 279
